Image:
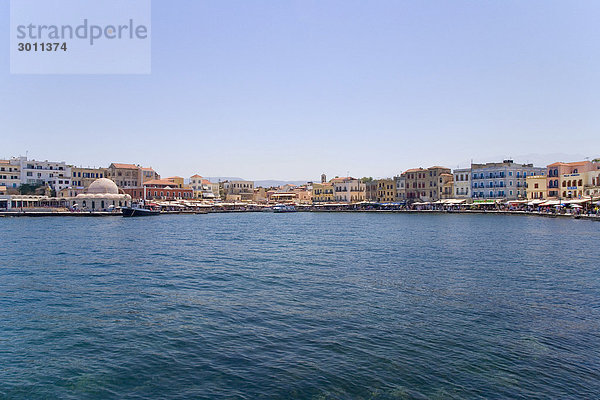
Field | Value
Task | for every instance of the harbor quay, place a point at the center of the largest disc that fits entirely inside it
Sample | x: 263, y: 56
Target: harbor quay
x: 47, y: 188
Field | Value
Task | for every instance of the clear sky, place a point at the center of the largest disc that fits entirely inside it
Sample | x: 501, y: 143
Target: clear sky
x: 290, y: 89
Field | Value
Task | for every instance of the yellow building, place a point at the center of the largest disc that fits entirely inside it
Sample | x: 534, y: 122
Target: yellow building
x: 322, y: 192
x: 177, y: 180
x: 83, y: 177
x: 386, y: 191
x: 536, y: 187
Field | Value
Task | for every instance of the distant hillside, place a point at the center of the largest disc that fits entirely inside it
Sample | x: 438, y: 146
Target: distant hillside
x: 261, y: 183
x: 274, y: 182
x: 217, y: 179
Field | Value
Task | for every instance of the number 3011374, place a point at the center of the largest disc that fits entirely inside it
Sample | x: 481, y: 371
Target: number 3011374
x: 42, y: 46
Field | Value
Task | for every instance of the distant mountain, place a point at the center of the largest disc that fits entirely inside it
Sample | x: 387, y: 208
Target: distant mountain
x: 266, y: 183
x: 274, y: 183
x: 217, y: 179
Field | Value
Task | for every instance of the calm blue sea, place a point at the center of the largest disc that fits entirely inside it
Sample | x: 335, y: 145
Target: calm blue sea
x: 304, y: 305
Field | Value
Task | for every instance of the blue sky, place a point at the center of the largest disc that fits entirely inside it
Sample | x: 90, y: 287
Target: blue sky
x: 291, y: 89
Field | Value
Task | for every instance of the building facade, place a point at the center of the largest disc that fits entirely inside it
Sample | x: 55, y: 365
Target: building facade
x: 56, y: 175
x: 536, y: 187
x: 425, y: 184
x: 462, y: 183
x: 10, y: 175
x: 400, y: 188
x: 159, y: 189
x: 348, y: 190
x: 84, y: 177
x: 124, y: 175
x: 322, y: 192
x: 502, y: 180
x: 571, y: 180
x: 386, y: 190
x: 446, y: 186
x: 238, y: 190
x: 371, y: 190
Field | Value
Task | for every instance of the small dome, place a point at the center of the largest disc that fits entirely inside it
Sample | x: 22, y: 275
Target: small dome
x: 103, y: 186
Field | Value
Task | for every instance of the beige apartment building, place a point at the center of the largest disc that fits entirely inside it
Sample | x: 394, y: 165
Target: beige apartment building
x: 426, y: 184
x: 536, y: 187
x: 130, y: 175
x: 348, y: 190
x: 83, y: 177
x: 238, y: 190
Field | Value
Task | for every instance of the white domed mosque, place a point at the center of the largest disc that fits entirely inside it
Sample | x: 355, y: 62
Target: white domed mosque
x: 101, y: 195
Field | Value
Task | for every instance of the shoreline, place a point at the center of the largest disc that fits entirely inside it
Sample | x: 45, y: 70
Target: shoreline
x: 38, y: 214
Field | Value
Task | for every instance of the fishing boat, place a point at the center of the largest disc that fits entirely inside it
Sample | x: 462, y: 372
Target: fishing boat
x: 139, y: 210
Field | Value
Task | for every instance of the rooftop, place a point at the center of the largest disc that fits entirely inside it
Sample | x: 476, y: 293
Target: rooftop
x: 125, y: 166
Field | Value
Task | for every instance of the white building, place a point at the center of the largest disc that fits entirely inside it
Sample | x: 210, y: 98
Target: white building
x: 462, y: 183
x: 10, y: 175
x: 102, y: 195
x: 400, y: 188
x: 57, y: 175
x: 203, y: 188
x: 348, y: 190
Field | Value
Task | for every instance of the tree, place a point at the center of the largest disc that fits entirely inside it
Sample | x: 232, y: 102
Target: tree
x: 365, y: 179
x: 28, y: 188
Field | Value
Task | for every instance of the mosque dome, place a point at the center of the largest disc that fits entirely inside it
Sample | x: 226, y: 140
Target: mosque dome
x: 103, y: 186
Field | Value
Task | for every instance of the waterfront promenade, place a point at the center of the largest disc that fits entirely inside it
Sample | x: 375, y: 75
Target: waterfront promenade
x: 57, y: 213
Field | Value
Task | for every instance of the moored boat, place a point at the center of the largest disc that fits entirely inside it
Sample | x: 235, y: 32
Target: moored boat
x: 284, y: 208
x: 137, y: 210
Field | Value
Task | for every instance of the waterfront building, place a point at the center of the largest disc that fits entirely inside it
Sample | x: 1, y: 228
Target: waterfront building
x: 568, y: 180
x: 371, y: 190
x: 238, y: 190
x: 425, y: 184
x: 101, y: 195
x: 536, y: 187
x: 10, y: 175
x: 83, y: 177
x: 502, y: 180
x: 130, y: 175
x: 446, y: 185
x: 415, y: 183
x: 54, y: 174
x: 386, y: 190
x: 303, y: 193
x: 400, y: 188
x: 591, y: 183
x: 348, y: 190
x: 260, y: 195
x: 160, y: 189
x: 462, y: 183
x: 177, y: 180
x: 124, y: 175
x: 275, y: 196
x: 203, y: 188
x: 16, y: 201
x: 196, y: 184
x: 322, y: 192
x: 149, y: 174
